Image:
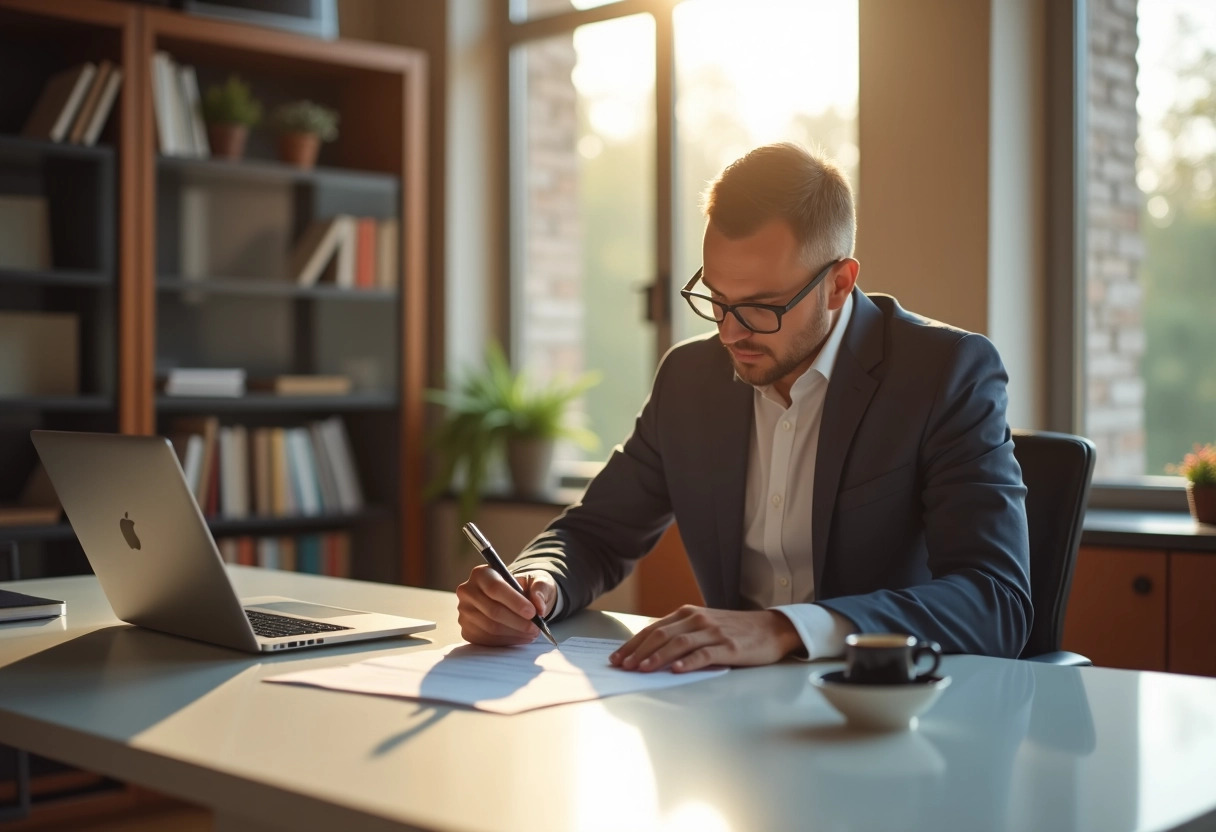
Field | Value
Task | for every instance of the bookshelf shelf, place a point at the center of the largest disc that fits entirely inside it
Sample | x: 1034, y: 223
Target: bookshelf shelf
x: 271, y: 288
x: 269, y: 403
x: 295, y: 524
x: 20, y: 148
x: 25, y: 534
x: 56, y: 277
x: 269, y: 172
x: 58, y: 404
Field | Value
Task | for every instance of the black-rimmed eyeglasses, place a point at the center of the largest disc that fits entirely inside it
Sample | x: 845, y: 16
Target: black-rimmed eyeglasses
x: 764, y: 318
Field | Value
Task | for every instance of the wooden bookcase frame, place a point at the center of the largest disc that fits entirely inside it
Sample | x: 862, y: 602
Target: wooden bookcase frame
x: 384, y: 103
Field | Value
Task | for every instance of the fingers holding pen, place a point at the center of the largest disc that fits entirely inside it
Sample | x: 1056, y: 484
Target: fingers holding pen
x: 490, y: 611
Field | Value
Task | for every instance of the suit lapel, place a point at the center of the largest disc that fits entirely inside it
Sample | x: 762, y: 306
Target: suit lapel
x: 849, y: 394
x: 731, y: 420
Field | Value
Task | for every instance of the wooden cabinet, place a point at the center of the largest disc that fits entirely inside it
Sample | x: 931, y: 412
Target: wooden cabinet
x: 1144, y: 609
x: 1192, y: 620
x: 665, y: 578
x: 1117, y: 609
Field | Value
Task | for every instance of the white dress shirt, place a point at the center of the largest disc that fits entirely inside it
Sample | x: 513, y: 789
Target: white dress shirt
x: 777, y: 571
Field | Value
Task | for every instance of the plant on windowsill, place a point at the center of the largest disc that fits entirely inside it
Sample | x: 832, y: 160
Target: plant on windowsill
x: 494, y: 409
x: 230, y: 110
x: 1199, y: 468
x: 302, y: 126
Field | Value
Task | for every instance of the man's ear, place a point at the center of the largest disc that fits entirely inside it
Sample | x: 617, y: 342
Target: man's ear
x: 841, y: 282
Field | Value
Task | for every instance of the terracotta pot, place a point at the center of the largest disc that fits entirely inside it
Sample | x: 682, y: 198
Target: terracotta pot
x: 227, y: 140
x: 1202, y: 500
x: 299, y: 149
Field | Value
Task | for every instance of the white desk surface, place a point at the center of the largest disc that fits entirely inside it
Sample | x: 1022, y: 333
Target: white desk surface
x: 1010, y: 745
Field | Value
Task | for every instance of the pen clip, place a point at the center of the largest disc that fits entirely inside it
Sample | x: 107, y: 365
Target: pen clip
x: 476, y: 537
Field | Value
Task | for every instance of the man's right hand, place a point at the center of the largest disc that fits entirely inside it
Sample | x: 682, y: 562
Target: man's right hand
x: 491, y: 612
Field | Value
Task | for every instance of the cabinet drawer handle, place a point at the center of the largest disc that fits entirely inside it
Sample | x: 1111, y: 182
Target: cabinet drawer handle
x: 1142, y: 585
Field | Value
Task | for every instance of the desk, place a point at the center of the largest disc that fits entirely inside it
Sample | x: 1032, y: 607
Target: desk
x: 1010, y: 745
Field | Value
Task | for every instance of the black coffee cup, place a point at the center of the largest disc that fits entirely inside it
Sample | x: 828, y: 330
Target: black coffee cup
x: 888, y: 658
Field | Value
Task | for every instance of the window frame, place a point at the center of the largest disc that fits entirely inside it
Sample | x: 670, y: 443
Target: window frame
x: 656, y: 294
x: 1066, y: 215
x: 1067, y: 53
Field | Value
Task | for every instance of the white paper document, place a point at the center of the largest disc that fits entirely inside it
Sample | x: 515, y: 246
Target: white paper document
x: 502, y: 680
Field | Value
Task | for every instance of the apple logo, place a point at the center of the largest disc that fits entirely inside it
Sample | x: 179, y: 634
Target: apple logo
x: 128, y: 530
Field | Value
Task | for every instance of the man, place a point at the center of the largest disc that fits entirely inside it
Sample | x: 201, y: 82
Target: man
x: 835, y: 463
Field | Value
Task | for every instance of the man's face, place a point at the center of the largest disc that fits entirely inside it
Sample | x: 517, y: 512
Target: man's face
x: 766, y: 267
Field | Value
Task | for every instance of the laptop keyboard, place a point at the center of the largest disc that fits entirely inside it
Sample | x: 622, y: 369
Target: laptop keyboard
x: 268, y: 625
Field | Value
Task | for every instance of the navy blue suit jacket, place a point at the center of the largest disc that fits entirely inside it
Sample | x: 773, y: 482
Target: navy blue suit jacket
x: 918, y: 516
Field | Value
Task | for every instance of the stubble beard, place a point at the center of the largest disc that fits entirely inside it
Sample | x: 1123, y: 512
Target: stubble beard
x: 801, y: 351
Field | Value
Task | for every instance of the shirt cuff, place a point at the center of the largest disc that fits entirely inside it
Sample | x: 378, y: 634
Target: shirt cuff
x: 821, y: 630
x: 558, y: 605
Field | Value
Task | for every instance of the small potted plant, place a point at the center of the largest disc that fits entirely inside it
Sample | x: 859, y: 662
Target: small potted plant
x: 497, y: 409
x: 1199, y: 468
x: 302, y: 126
x: 230, y: 110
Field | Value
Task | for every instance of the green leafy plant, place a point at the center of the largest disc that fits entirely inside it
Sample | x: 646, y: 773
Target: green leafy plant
x: 231, y: 103
x: 1199, y: 466
x: 306, y: 117
x: 493, y: 405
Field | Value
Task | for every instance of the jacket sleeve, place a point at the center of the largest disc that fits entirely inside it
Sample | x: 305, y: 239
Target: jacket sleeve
x: 596, y: 542
x: 974, y: 518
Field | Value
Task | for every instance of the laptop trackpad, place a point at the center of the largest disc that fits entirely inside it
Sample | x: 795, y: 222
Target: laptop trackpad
x: 303, y: 609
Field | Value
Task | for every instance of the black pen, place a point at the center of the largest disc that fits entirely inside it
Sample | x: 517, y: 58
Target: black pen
x: 482, y: 545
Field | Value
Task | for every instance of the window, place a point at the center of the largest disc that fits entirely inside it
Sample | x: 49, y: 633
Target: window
x: 746, y: 76
x: 619, y: 121
x: 583, y: 213
x: 1150, y: 293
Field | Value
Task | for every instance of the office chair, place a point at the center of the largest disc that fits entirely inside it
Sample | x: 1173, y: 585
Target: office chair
x: 1056, y: 468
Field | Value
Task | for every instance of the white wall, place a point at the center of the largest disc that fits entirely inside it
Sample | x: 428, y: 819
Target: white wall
x: 1017, y: 259
x: 476, y: 274
x: 951, y: 210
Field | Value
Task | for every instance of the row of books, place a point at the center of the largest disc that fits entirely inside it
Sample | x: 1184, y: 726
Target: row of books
x: 177, y: 104
x: 237, y: 471
x: 351, y: 252
x: 231, y: 382
x: 318, y: 554
x: 75, y: 103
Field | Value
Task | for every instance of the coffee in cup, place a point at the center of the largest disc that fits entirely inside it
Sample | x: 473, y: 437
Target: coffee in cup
x: 888, y: 658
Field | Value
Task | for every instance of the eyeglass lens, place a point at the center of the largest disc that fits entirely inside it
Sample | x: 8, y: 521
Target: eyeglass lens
x: 753, y: 317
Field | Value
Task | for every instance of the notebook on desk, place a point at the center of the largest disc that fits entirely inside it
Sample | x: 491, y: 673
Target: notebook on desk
x: 141, y: 529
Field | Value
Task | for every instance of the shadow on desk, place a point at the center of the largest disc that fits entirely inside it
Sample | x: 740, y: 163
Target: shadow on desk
x: 129, y: 679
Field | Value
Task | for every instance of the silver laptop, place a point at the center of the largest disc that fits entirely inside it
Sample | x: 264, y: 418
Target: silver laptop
x: 132, y: 510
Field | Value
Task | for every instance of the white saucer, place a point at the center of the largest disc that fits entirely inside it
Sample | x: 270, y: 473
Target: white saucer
x: 879, y: 707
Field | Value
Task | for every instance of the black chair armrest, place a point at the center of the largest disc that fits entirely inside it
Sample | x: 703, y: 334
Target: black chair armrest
x: 1062, y: 658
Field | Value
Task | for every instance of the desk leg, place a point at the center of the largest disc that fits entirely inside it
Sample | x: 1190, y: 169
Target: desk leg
x: 224, y: 822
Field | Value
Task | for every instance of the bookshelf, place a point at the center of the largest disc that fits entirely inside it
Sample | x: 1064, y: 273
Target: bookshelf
x: 156, y: 288
x: 89, y: 277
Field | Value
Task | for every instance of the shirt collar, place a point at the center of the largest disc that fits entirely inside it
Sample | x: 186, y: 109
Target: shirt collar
x: 824, y: 362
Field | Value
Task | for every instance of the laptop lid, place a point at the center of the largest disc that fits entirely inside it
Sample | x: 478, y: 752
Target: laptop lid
x: 150, y: 547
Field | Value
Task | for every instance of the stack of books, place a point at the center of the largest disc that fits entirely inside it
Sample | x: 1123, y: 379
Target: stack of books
x: 363, y: 251
x: 197, y: 381
x: 327, y: 553
x: 75, y: 104
x: 236, y: 471
x: 177, y: 102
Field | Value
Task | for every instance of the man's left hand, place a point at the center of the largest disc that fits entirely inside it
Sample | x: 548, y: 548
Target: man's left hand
x: 692, y: 638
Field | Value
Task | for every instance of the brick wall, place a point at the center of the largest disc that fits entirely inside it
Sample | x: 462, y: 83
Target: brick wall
x: 1114, y: 326
x: 549, y: 322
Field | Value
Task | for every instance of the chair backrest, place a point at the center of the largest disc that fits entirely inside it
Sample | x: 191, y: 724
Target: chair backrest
x: 1056, y: 468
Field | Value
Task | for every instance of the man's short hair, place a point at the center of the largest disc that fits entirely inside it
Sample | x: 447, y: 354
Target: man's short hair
x: 784, y: 181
